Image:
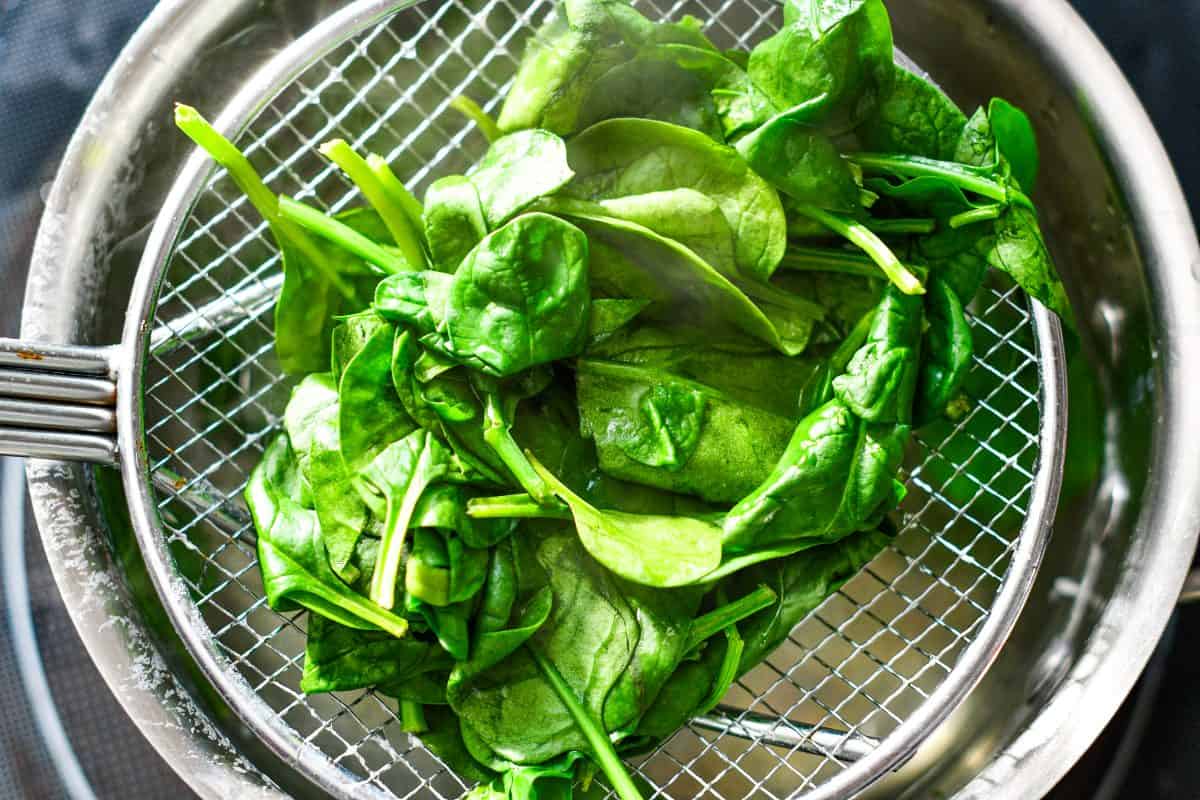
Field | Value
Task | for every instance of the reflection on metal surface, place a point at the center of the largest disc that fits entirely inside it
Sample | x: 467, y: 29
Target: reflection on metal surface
x: 823, y: 742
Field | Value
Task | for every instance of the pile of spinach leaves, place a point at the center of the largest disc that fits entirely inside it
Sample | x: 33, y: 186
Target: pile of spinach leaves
x: 577, y: 441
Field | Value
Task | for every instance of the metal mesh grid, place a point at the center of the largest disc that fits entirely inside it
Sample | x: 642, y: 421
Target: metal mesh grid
x: 861, y: 664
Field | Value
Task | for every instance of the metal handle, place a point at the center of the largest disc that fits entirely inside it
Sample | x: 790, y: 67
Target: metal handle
x: 58, y: 401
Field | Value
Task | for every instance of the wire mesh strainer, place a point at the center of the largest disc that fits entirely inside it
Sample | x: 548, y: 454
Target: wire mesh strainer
x: 860, y: 683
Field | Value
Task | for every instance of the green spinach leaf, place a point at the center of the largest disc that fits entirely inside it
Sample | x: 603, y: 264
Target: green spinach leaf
x: 401, y: 474
x: 948, y: 349
x: 623, y: 157
x: 915, y: 117
x: 837, y: 53
x: 520, y: 298
x: 649, y: 550
x: 370, y: 413
x: 732, y: 449
x: 291, y: 552
x: 340, y: 659
x: 518, y: 170
x: 454, y: 221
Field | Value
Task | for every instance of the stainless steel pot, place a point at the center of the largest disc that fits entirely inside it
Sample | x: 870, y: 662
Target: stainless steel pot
x: 1122, y: 235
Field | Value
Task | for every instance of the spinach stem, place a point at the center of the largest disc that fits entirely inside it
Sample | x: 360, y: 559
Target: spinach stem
x: 472, y: 111
x: 985, y: 214
x: 901, y: 227
x: 341, y: 235
x: 364, y: 609
x: 961, y: 175
x: 823, y: 259
x: 874, y: 247
x: 515, y: 506
x: 602, y: 748
x: 398, y: 192
x: 392, y: 213
x: 497, y: 435
x: 243, y: 173
x: 395, y: 532
x: 717, y: 620
x: 412, y: 717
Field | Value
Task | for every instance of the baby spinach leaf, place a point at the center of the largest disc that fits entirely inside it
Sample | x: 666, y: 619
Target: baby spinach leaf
x: 629, y: 260
x: 516, y: 171
x: 947, y: 349
x: 1001, y: 133
x: 349, y: 337
x: 648, y: 550
x: 579, y: 44
x: 838, y: 471
x: 427, y: 569
x: 1013, y: 243
x: 445, y: 506
x: 370, y: 413
x: 493, y: 646
x: 834, y: 477
x: 401, y: 473
x: 590, y: 636
x: 738, y: 368
x: 836, y: 52
x: 685, y: 215
x: 1016, y: 141
x: 520, y: 298
x: 340, y: 509
x: 652, y: 85
x: 681, y: 698
x: 454, y: 221
x: 448, y: 623
x: 623, y: 157
x: 665, y: 620
x: 310, y: 398
x: 1020, y: 252
x: 291, y: 552
x: 915, y: 117
x: 668, y: 430
x: 341, y: 659
x: 609, y: 315
x: 959, y: 258
x: 592, y: 728
x: 734, y: 449
x: 801, y: 162
x: 740, y: 105
x: 418, y: 299
x: 879, y: 382
x: 445, y: 550
x: 444, y: 739
x: 447, y: 407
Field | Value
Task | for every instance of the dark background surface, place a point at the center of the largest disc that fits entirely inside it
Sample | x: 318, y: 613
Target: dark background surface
x: 53, y: 54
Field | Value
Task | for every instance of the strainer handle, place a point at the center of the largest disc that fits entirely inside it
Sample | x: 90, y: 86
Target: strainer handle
x: 58, y: 401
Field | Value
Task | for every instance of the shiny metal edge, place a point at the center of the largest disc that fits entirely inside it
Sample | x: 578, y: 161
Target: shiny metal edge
x: 136, y: 343
x: 64, y: 280
x: 1169, y: 520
